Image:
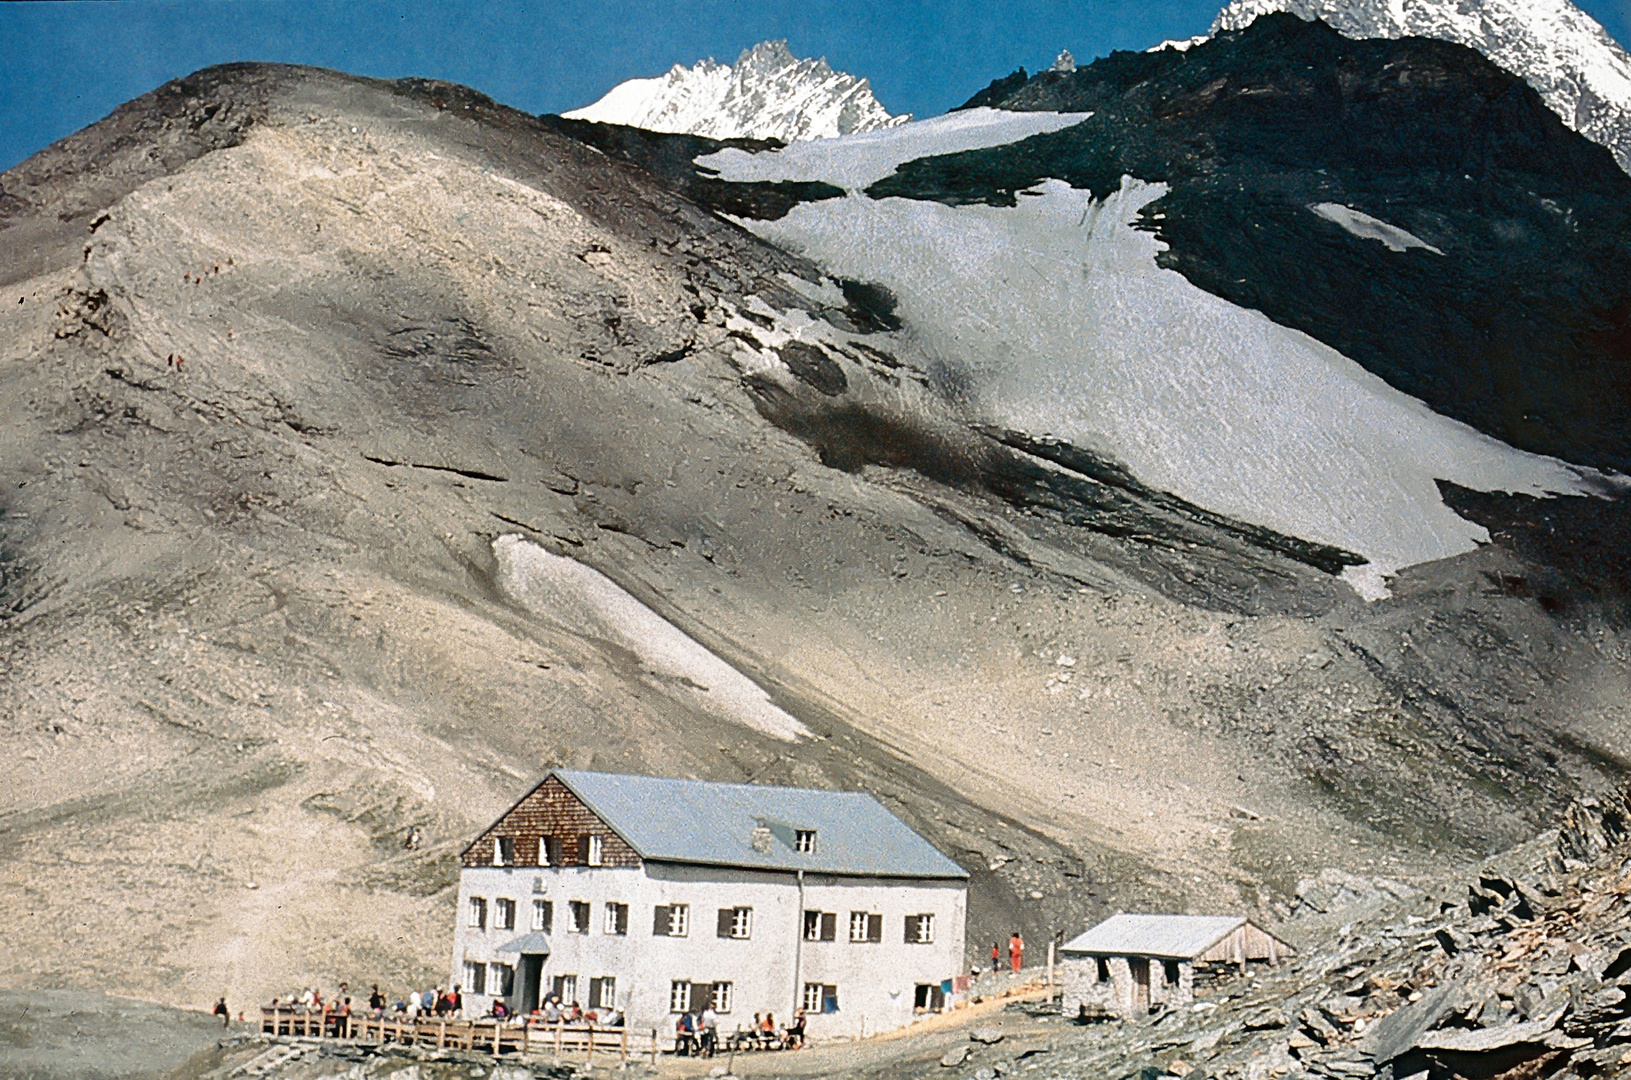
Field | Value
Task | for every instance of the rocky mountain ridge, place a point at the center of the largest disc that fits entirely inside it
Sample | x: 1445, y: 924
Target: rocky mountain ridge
x: 1583, y: 74
x: 768, y: 93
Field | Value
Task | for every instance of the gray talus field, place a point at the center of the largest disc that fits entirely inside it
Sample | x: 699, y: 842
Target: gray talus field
x: 286, y: 355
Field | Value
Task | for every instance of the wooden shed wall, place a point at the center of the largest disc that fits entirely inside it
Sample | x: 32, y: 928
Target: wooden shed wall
x: 1247, y: 943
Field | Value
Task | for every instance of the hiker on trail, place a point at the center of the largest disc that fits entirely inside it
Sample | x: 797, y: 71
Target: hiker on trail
x: 455, y: 1000
x: 996, y: 958
x: 552, y: 1009
x: 684, y: 1036
x: 376, y: 1002
x: 1016, y: 952
x: 795, y: 1034
x: 223, y: 1012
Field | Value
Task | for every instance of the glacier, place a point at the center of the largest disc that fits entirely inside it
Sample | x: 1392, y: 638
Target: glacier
x: 767, y: 94
x: 1060, y: 322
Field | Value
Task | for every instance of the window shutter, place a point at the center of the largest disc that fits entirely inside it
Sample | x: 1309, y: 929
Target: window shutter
x: 727, y: 918
x: 911, y: 929
x: 583, y: 850
x: 829, y: 926
x: 874, y: 927
x: 659, y: 920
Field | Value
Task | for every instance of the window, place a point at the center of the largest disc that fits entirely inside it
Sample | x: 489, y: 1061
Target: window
x: 920, y: 929
x: 591, y: 850
x: 478, y: 912
x: 580, y: 916
x: 804, y: 841
x: 1104, y: 970
x: 503, y: 851
x: 1170, y: 970
x: 721, y: 998
x: 617, y: 919
x: 865, y: 926
x: 736, y: 922
x: 671, y: 920
x: 820, y: 925
x: 603, y: 993
x: 543, y: 915
x: 819, y: 998
x: 549, y: 851
x: 475, y: 977
x: 679, y: 995
x: 504, y: 914
x: 502, y: 977
x: 565, y: 987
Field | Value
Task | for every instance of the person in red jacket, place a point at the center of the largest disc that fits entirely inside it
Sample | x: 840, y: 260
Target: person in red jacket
x: 996, y: 957
x: 1016, y: 952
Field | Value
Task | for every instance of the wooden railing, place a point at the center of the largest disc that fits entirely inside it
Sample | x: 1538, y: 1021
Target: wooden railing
x: 490, y: 1036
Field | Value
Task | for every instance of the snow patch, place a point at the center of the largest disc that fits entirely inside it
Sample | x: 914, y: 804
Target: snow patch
x: 1366, y: 227
x: 1065, y: 325
x: 592, y: 603
x: 858, y: 161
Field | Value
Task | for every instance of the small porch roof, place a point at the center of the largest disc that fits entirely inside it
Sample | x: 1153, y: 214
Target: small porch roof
x: 533, y: 944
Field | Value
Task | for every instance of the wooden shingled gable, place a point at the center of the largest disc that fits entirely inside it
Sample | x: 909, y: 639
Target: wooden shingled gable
x: 550, y: 810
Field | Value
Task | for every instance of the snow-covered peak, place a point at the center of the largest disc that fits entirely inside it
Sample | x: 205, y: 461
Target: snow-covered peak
x: 1565, y: 54
x: 767, y: 94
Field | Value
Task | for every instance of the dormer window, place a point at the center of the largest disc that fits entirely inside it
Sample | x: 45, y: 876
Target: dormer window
x: 504, y: 851
x: 804, y: 841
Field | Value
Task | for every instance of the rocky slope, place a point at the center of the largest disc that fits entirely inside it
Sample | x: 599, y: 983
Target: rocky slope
x: 767, y: 94
x: 1583, y: 74
x: 285, y: 369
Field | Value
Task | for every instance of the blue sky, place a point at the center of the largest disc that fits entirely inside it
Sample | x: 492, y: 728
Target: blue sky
x: 65, y: 65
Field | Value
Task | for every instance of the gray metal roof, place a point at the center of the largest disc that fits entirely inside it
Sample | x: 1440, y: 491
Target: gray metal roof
x: 694, y: 821
x: 533, y: 944
x: 1171, y: 937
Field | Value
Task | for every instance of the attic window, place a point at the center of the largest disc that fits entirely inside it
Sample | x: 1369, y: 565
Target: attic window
x: 804, y: 841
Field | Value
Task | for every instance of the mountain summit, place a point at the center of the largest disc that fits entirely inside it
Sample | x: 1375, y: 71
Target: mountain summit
x: 767, y: 94
x: 1565, y: 54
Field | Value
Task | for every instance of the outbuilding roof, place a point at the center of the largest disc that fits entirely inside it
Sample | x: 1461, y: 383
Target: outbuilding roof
x: 1170, y: 937
x: 756, y: 826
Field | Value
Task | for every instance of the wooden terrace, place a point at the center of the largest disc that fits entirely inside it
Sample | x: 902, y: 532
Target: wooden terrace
x: 487, y: 1036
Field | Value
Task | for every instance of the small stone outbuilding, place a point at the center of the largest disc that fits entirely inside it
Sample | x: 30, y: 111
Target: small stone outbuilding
x: 1132, y: 965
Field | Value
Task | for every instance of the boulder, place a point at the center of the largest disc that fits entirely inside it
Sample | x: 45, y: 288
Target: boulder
x: 987, y: 1035
x: 955, y: 1056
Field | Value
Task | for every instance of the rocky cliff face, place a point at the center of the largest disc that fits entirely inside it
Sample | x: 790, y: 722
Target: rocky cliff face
x: 1583, y: 74
x: 767, y: 94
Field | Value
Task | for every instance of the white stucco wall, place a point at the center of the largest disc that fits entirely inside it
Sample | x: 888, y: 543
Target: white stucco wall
x: 875, y: 981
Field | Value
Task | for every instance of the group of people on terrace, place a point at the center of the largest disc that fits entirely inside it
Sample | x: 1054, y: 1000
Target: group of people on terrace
x: 696, y: 1034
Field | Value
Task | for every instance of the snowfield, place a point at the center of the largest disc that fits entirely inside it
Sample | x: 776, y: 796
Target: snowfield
x: 858, y: 161
x: 1064, y: 325
x: 593, y: 604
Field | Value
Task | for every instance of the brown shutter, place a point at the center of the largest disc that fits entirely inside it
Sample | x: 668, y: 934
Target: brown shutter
x: 622, y: 918
x: 659, y: 920
x: 727, y: 919
x: 829, y: 926
x: 911, y: 929
x: 583, y: 850
x: 874, y: 927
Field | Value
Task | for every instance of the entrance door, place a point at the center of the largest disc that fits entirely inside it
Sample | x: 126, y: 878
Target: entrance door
x: 530, y: 983
x: 1141, y: 985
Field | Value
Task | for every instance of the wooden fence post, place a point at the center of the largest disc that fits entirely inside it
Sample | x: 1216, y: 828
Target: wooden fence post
x: 653, y: 1048
x: 560, y: 1028
x: 625, y: 1043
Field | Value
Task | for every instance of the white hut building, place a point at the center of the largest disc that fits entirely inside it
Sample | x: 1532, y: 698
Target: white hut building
x: 1132, y: 965
x: 657, y: 896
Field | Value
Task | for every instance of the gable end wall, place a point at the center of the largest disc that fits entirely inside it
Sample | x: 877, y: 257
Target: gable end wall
x: 550, y: 809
